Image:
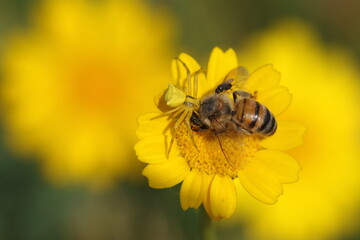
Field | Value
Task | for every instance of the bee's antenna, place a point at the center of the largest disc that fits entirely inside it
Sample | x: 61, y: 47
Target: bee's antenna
x: 223, y: 151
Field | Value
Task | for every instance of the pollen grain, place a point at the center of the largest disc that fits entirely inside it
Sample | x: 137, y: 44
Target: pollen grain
x: 222, y: 154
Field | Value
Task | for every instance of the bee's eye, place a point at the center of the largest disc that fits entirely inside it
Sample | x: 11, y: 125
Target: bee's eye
x: 209, y: 107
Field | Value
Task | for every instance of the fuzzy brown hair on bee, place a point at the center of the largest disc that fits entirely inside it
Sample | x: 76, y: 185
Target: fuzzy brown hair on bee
x: 220, y: 113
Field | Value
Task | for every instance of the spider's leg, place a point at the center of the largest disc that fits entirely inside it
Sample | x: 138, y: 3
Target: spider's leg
x: 188, y: 76
x: 196, y: 82
x: 180, y: 119
x: 187, y: 121
x: 168, y: 112
x: 173, y: 130
x: 171, y: 142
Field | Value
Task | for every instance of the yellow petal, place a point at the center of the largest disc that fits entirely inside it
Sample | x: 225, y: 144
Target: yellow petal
x: 231, y: 59
x: 283, y: 166
x: 179, y: 71
x: 149, y: 126
x: 262, y: 78
x: 260, y: 182
x: 168, y: 173
x: 194, y: 189
x: 222, y: 198
x: 277, y: 99
x: 288, y: 135
x: 208, y: 210
x: 220, y: 64
x: 151, y: 149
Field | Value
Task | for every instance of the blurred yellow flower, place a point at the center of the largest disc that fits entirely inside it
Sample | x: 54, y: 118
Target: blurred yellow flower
x: 324, y: 82
x: 76, y: 80
x: 209, y: 176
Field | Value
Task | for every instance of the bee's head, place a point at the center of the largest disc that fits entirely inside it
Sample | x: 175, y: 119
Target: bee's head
x: 214, y: 106
x: 209, y: 106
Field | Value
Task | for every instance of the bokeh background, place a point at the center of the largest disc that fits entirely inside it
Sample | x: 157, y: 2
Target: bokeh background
x: 76, y: 74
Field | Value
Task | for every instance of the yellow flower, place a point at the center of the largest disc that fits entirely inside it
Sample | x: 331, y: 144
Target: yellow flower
x: 325, y: 202
x: 75, y: 81
x: 209, y: 178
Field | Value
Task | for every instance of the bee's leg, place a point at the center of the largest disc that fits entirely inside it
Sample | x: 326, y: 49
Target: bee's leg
x: 187, y: 121
x: 197, y: 124
x: 188, y: 76
x: 168, y: 112
x: 254, y: 96
x: 244, y: 131
x: 241, y: 94
x: 195, y: 119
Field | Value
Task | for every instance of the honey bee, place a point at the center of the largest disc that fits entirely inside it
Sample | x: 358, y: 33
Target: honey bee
x: 221, y: 114
x: 239, y: 113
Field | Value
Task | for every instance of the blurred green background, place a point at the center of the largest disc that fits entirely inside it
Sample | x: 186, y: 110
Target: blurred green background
x: 32, y: 207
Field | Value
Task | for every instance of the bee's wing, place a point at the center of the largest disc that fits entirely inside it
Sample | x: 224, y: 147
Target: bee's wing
x: 237, y: 77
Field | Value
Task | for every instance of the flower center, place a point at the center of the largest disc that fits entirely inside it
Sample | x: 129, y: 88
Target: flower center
x: 223, y: 154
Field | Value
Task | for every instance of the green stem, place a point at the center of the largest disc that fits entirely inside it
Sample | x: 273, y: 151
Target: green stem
x: 207, y: 226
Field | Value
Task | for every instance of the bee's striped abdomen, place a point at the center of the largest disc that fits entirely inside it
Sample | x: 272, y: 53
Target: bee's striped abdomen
x: 254, y: 117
